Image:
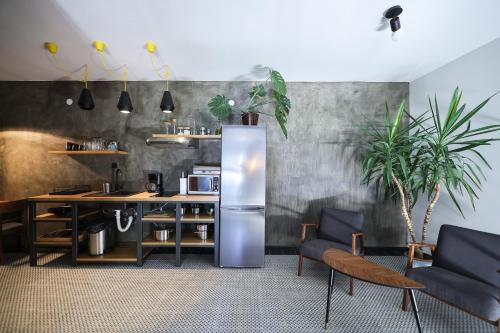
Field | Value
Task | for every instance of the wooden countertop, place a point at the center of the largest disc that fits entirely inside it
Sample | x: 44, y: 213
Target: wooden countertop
x: 139, y: 197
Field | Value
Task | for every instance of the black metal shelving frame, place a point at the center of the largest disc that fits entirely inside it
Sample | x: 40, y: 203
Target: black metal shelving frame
x: 139, y: 227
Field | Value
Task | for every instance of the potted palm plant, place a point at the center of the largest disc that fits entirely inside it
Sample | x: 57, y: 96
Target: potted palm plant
x: 426, y: 155
x: 258, y: 96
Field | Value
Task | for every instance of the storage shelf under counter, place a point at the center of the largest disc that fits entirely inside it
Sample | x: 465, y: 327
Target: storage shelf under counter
x: 136, y: 251
x: 121, y: 253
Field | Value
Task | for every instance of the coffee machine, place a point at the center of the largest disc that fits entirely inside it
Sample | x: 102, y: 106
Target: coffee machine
x: 155, y: 183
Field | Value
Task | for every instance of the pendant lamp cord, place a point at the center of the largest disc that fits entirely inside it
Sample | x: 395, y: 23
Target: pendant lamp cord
x: 125, y: 77
x: 105, y: 66
x: 166, y: 75
x: 86, y: 75
x: 64, y: 69
x: 157, y: 70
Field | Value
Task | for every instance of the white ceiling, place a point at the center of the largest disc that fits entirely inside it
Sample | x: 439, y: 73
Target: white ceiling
x: 217, y: 40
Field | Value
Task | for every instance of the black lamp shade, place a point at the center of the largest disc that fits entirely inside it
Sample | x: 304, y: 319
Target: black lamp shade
x: 125, y: 104
x: 395, y: 24
x: 85, y: 102
x: 167, y: 104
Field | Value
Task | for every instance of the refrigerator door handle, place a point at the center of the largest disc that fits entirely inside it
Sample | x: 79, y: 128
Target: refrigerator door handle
x: 244, y: 208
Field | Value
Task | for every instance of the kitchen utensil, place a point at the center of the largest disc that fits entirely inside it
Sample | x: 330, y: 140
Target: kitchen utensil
x: 195, y: 210
x: 202, y: 231
x: 113, y: 145
x: 155, y: 183
x: 163, y: 235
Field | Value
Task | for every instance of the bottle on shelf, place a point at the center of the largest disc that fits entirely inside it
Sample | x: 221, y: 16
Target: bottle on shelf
x: 183, y: 185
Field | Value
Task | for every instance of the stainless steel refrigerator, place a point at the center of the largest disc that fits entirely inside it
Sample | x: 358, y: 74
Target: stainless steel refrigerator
x: 243, y: 196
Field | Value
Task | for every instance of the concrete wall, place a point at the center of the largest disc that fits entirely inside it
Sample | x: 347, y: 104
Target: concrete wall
x: 316, y: 167
x: 478, y: 75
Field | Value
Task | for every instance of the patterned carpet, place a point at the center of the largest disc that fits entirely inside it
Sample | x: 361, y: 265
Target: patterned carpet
x: 198, y: 297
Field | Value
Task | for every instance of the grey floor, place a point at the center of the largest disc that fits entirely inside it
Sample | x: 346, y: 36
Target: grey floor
x: 198, y: 297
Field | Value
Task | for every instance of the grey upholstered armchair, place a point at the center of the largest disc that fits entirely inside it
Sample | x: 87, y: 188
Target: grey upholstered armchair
x: 338, y: 229
x: 464, y: 271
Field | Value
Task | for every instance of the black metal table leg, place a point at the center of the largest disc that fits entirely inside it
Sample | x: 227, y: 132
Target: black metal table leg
x: 415, y: 309
x: 331, y: 279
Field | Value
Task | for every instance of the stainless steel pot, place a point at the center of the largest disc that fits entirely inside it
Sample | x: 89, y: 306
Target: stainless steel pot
x: 163, y: 235
x: 202, y: 231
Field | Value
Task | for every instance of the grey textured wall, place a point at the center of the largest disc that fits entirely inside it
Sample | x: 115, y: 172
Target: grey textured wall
x: 316, y: 167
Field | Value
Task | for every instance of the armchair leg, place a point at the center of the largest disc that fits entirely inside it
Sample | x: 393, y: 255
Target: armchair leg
x: 405, y: 300
x: 351, y: 286
x: 498, y: 326
x: 301, y: 260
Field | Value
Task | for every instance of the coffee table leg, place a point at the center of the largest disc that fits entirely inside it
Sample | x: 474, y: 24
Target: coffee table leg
x: 331, y: 278
x: 415, y: 309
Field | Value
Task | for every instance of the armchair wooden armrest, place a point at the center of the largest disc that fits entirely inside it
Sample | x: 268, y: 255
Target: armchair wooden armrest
x: 304, y: 230
x: 355, y: 236
x: 411, y: 251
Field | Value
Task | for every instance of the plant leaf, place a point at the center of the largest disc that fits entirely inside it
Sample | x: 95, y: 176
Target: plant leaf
x: 278, y: 81
x: 219, y: 107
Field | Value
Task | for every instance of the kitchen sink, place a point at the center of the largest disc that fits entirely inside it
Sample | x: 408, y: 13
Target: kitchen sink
x: 121, y: 193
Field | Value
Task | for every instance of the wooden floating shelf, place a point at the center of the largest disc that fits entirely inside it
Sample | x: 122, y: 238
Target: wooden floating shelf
x: 187, y: 136
x: 186, y: 218
x: 121, y: 253
x: 88, y: 152
x: 49, y: 217
x: 151, y: 242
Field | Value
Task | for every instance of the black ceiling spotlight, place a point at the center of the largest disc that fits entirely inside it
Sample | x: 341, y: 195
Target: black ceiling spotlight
x: 85, y: 101
x: 167, y: 103
x: 393, y: 14
x: 125, y: 103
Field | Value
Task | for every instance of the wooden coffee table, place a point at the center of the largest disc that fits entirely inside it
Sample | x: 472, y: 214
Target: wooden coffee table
x: 364, y: 270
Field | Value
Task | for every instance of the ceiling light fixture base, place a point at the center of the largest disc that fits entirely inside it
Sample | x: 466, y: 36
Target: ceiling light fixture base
x: 99, y: 45
x: 151, y: 47
x: 51, y: 47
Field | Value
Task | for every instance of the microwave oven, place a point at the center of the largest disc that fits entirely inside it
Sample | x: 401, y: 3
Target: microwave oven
x: 203, y: 184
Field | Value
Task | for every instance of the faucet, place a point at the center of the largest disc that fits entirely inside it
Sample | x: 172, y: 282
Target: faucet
x: 115, y: 175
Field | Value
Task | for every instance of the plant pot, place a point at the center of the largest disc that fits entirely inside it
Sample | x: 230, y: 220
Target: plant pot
x: 250, y: 118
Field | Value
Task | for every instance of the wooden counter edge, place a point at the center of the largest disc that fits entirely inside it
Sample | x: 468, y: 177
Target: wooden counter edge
x: 139, y: 197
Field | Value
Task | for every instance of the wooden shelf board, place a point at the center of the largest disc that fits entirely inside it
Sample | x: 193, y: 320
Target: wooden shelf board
x: 88, y: 152
x: 57, y: 241
x: 43, y: 243
x: 49, y: 217
x: 159, y: 218
x: 201, y: 218
x: 186, y: 136
x: 151, y: 242
x: 186, y: 218
x: 121, y: 253
x: 191, y: 240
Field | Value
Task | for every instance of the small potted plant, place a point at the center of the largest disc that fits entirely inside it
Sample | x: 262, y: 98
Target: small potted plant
x: 258, y: 96
x: 161, y: 231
